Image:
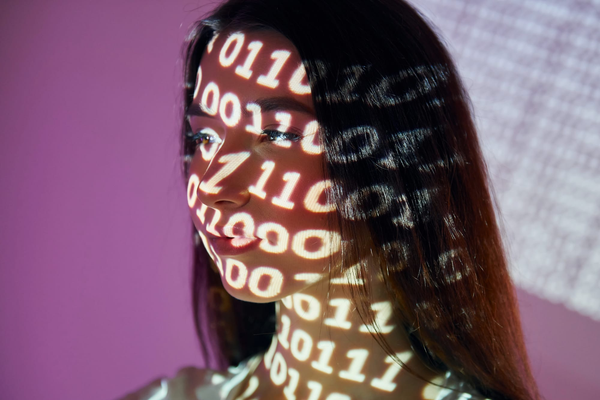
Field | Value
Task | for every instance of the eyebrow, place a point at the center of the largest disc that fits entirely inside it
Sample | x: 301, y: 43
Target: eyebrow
x: 266, y: 105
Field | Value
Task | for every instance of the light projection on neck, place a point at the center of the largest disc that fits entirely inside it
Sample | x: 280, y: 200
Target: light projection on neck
x: 325, y: 356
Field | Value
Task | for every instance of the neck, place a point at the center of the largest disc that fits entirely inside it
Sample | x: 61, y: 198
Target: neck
x: 323, y: 350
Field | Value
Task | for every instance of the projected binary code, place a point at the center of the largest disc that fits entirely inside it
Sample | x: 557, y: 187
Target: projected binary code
x: 532, y: 70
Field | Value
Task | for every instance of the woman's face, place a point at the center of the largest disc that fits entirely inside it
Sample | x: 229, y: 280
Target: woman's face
x: 257, y: 191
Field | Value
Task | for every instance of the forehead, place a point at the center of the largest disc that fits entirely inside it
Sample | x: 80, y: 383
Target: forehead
x: 255, y: 64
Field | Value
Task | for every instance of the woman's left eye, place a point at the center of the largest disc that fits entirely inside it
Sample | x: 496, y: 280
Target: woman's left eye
x: 278, y: 136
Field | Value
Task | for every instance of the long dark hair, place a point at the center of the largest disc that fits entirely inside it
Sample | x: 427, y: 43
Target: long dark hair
x: 402, y: 150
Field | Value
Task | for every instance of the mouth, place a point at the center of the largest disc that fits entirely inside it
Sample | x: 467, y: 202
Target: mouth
x: 231, y: 246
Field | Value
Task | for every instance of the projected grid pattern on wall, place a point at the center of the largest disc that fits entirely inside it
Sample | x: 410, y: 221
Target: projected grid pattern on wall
x: 532, y: 69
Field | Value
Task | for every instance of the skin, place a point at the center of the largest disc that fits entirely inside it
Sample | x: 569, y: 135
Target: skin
x: 322, y: 349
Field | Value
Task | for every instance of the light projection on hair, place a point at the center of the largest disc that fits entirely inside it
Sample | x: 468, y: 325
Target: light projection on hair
x: 283, y: 200
x: 383, y: 313
x: 237, y: 39
x: 386, y: 381
x: 269, y: 80
x: 382, y: 94
x: 231, y: 163
x: 244, y: 70
x: 350, y: 77
x: 344, y: 154
x: 340, y: 318
x: 236, y: 109
x: 355, y: 209
x: 353, y: 373
x: 198, y: 81
x: 211, y: 89
x: 296, y: 83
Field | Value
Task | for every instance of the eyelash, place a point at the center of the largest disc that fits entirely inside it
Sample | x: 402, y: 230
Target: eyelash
x: 271, y: 135
x: 201, y: 136
x: 275, y: 135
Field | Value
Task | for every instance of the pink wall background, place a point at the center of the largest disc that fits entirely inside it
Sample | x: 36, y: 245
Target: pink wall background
x: 94, y: 250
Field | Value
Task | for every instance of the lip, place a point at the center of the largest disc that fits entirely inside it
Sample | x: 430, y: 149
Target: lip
x: 228, y: 246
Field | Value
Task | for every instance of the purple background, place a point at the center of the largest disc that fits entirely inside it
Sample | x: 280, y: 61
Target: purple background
x: 94, y: 256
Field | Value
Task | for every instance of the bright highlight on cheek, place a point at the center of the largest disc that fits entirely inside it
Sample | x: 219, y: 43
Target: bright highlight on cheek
x: 270, y: 229
x: 192, y: 190
x: 283, y: 199
x: 330, y: 243
x: 316, y: 192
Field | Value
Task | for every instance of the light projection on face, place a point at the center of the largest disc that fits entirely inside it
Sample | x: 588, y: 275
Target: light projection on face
x: 256, y: 188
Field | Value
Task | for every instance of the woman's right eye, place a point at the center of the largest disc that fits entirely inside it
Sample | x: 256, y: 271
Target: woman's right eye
x: 204, y: 137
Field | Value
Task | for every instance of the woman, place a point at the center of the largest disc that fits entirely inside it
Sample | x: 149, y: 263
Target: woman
x: 333, y: 168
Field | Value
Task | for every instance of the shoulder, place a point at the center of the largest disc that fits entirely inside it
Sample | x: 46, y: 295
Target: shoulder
x: 191, y: 383
x: 453, y: 388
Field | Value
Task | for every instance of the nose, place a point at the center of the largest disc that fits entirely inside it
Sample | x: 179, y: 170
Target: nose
x: 224, y: 185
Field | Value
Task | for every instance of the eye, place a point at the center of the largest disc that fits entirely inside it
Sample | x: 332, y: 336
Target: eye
x: 204, y: 137
x: 278, y: 136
